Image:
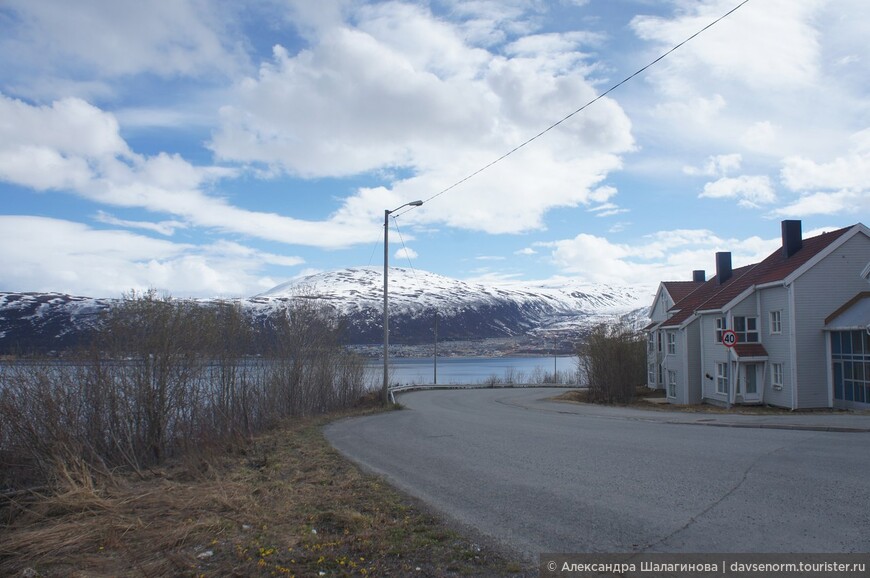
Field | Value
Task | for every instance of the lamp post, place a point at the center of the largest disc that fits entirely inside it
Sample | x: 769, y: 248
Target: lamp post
x: 386, y: 389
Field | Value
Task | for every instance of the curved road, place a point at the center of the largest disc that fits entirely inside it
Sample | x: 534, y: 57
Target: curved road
x: 539, y: 476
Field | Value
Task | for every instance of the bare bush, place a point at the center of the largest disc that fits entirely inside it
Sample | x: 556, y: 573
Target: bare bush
x: 613, y: 359
x: 167, y: 378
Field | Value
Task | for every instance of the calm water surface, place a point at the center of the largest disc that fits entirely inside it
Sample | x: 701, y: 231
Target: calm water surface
x: 470, y: 370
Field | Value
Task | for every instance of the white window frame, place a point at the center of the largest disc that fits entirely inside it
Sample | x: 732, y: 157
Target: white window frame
x: 776, y: 322
x: 721, y: 327
x: 776, y: 375
x: 672, y: 383
x: 722, y: 384
x: 743, y: 336
x: 672, y: 343
x: 651, y: 373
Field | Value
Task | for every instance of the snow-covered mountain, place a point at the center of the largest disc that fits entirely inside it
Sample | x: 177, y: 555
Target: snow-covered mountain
x: 46, y: 321
x: 465, y: 310
x: 556, y: 313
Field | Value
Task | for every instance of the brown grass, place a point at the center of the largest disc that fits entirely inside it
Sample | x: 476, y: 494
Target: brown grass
x: 288, y: 505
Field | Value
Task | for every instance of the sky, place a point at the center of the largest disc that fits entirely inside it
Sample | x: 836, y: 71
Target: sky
x: 214, y: 148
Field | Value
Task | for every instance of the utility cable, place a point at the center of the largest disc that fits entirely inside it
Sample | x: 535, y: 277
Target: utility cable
x: 408, y: 257
x: 597, y: 98
x: 374, y: 246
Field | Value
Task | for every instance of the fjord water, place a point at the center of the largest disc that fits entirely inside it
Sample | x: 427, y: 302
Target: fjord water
x: 474, y: 370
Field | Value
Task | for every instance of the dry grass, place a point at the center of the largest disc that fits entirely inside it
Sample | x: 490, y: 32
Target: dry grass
x: 288, y: 505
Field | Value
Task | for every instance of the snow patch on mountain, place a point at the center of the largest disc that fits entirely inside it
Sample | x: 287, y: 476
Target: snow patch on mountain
x: 414, y: 290
x: 531, y: 313
x: 467, y: 310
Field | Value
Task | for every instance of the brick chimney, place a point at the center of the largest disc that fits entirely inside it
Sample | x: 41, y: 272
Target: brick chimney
x: 792, y: 239
x: 699, y: 276
x: 723, y: 267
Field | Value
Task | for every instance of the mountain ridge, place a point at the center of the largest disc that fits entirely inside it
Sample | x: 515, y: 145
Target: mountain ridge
x: 468, y: 311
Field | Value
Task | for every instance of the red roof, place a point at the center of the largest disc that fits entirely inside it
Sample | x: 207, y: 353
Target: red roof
x: 750, y: 350
x: 679, y: 290
x: 776, y: 267
x: 692, y: 302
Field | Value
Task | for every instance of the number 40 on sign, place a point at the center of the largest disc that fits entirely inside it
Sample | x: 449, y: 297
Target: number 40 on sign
x: 729, y: 338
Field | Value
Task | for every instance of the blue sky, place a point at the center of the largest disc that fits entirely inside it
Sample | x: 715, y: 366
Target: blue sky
x: 217, y: 148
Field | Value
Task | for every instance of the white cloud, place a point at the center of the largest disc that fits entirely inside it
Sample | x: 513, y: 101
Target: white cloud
x: 406, y: 253
x: 750, y: 84
x: 761, y: 137
x: 770, y: 45
x: 607, y: 210
x: 848, y: 172
x: 717, y: 166
x: 619, y: 227
x: 839, y: 186
x: 751, y: 191
x: 408, y: 91
x: 77, y: 47
x: 73, y: 146
x: 665, y: 255
x: 844, y: 202
x: 166, y: 228
x: 46, y: 254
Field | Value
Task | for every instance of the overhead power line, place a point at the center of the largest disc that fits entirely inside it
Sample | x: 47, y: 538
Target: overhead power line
x: 407, y: 256
x: 593, y: 101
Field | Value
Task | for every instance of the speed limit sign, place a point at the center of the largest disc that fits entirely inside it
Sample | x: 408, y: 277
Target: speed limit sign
x: 729, y: 338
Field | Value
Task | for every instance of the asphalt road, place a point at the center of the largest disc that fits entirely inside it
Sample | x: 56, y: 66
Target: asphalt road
x: 525, y: 473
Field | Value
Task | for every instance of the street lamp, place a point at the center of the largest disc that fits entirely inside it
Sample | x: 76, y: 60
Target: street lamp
x: 386, y: 389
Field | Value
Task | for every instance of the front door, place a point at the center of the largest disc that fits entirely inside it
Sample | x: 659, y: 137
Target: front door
x: 750, y: 382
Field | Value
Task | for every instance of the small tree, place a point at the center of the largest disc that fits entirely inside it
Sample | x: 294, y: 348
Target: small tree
x: 613, y: 359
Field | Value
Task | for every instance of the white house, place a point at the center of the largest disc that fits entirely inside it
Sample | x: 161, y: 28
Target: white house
x: 800, y: 317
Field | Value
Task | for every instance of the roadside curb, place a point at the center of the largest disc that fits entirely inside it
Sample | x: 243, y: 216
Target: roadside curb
x: 656, y: 417
x: 652, y: 416
x: 785, y: 426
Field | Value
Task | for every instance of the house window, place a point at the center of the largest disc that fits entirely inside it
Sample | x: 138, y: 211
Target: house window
x: 651, y: 342
x: 672, y: 384
x: 776, y: 375
x: 722, y: 378
x: 720, y: 328
x: 775, y: 322
x: 850, y: 353
x: 672, y: 342
x: 651, y: 374
x: 746, y: 329
x: 659, y: 340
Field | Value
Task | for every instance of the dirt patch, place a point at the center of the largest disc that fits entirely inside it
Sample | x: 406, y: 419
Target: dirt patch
x: 286, y: 505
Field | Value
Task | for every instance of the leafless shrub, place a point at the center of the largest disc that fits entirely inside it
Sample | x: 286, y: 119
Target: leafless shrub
x: 168, y: 378
x: 613, y: 359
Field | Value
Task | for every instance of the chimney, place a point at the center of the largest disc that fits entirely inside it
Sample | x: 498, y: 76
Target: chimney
x: 699, y: 276
x: 723, y: 267
x: 791, y: 238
